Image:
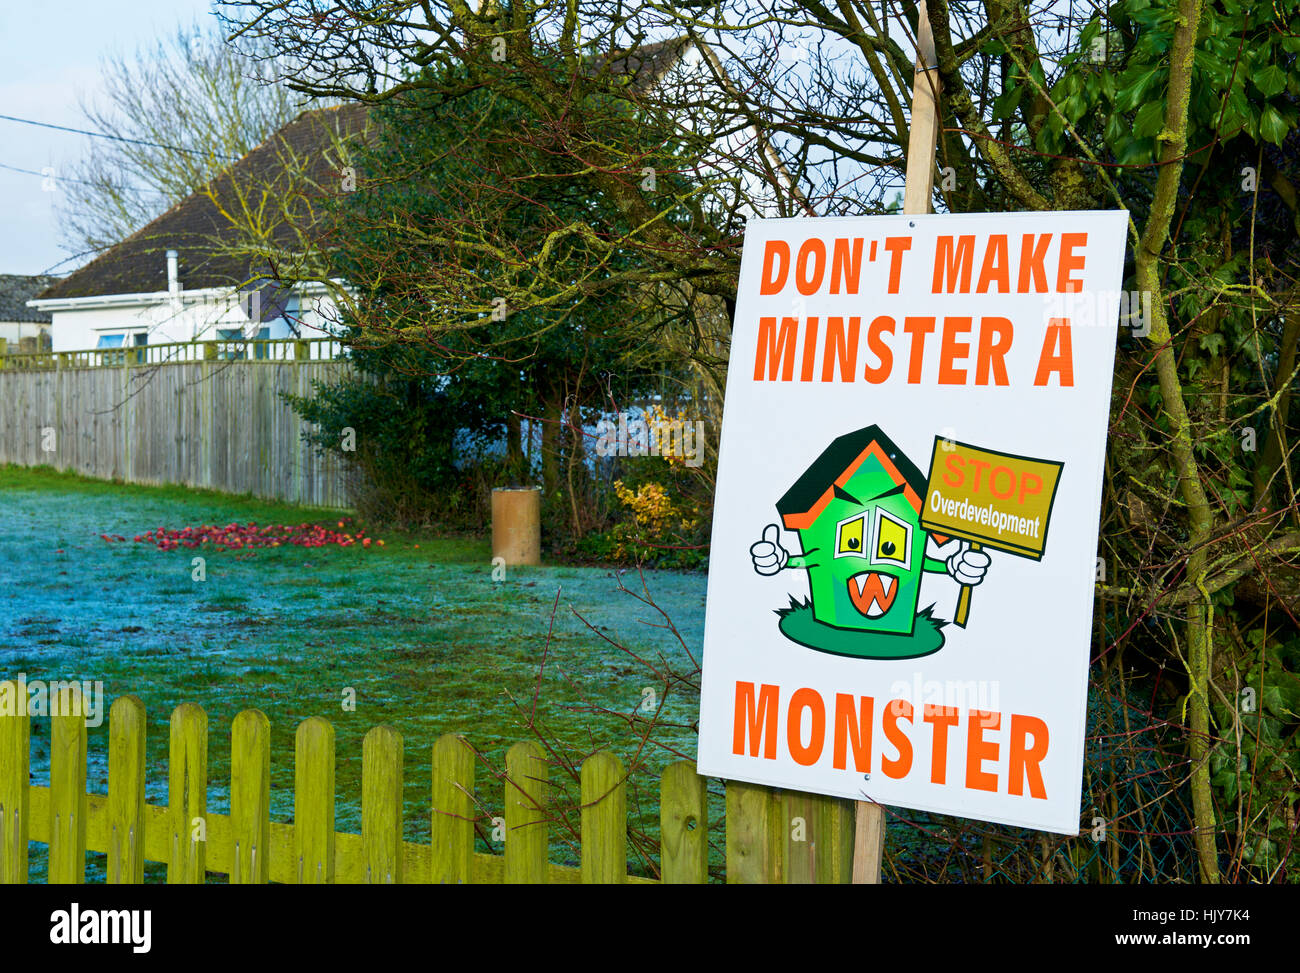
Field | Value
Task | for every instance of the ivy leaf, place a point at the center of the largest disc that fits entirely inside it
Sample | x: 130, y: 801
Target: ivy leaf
x: 1007, y: 102
x: 1049, y: 139
x: 1272, y: 126
x: 1213, y: 70
x: 1116, y: 129
x: 1272, y: 700
x: 1262, y: 853
x: 1213, y: 343
x: 1072, y: 108
x: 1134, y: 92
x: 1226, y: 780
x: 1150, y: 118
x: 1270, y: 81
x: 1282, y: 695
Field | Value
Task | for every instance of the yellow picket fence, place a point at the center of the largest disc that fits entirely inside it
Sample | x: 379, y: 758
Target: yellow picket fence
x: 761, y: 843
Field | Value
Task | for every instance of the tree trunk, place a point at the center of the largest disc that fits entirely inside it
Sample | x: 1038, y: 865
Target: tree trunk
x: 577, y: 469
x: 552, y: 416
x: 516, y: 466
x: 1271, y: 458
x: 1200, y: 616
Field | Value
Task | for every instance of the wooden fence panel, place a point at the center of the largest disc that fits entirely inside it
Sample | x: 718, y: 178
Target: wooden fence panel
x: 683, y: 825
x: 452, y: 815
x: 381, y: 805
x: 604, y: 820
x: 67, y: 827
x: 527, y: 833
x: 15, y: 790
x: 772, y: 836
x: 754, y: 834
x: 126, y: 747
x: 216, y: 424
x: 817, y: 837
x: 250, y: 798
x: 187, y: 795
x: 313, y: 802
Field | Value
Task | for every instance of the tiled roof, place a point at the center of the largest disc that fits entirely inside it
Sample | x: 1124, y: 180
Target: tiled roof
x: 646, y: 64
x: 196, y: 227
x: 16, y: 291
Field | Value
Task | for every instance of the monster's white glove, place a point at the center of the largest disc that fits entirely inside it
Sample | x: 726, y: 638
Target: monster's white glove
x: 768, y: 554
x: 968, y: 566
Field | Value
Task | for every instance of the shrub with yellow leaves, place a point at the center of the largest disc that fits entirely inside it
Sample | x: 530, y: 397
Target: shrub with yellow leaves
x: 655, y: 519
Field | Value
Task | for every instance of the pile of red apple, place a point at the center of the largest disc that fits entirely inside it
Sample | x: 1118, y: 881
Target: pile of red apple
x: 240, y: 537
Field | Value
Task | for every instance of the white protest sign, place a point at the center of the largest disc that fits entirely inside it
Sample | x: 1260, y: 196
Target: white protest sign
x: 905, y: 526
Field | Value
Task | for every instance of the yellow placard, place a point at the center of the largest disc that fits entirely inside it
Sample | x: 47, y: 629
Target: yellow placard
x: 1000, y: 500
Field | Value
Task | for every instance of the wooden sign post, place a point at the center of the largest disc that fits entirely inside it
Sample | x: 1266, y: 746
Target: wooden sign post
x: 869, y: 835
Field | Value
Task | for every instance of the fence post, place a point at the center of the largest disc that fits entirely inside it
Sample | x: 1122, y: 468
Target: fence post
x: 526, y: 825
x: 250, y: 798
x: 869, y: 849
x: 381, y: 805
x: 753, y: 838
x: 126, y: 747
x: 187, y: 795
x: 604, y: 820
x: 452, y: 815
x: 313, y: 802
x: 67, y: 788
x: 683, y: 825
x: 15, y: 782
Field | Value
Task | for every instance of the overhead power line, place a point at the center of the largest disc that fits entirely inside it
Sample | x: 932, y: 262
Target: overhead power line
x: 57, y: 178
x: 115, y: 138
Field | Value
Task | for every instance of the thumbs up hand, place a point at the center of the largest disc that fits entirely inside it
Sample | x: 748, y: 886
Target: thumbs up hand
x: 968, y: 566
x: 768, y: 554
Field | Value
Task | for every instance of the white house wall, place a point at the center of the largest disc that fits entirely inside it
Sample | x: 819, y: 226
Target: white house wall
x: 193, y: 318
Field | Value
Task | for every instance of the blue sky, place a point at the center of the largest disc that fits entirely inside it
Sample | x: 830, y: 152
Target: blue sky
x: 50, y: 53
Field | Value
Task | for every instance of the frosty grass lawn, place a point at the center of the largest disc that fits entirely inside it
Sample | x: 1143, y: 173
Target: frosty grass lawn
x: 424, y: 636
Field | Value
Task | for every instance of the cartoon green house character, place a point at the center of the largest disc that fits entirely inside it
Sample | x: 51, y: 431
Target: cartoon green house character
x: 857, y: 513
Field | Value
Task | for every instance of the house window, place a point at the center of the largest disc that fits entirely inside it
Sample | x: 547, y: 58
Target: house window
x: 236, y: 353
x: 107, y: 341
x: 230, y: 352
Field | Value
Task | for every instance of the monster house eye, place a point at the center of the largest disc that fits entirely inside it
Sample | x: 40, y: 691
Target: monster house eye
x: 893, y: 540
x: 851, y: 541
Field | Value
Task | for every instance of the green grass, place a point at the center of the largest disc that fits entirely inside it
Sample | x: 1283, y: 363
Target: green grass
x: 417, y: 629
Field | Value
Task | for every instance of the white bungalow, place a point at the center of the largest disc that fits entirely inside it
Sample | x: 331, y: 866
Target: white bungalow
x: 181, y: 278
